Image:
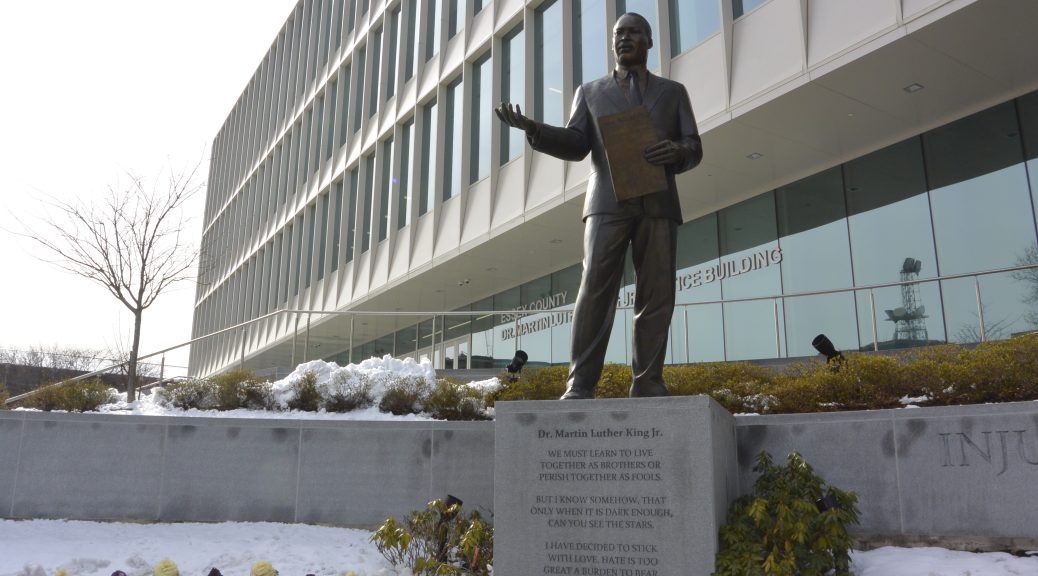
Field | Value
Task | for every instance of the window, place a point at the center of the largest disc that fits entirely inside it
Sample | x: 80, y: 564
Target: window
x: 391, y: 64
x: 403, y: 202
x: 369, y: 197
x: 590, y: 40
x: 358, y: 105
x: 482, y: 116
x: 340, y: 6
x: 429, y: 145
x: 337, y: 225
x: 329, y: 123
x: 311, y: 221
x: 453, y: 17
x: 432, y: 28
x: 344, y: 106
x: 411, y: 56
x: 322, y: 234
x: 351, y: 226
x: 385, y: 187
x: 452, y: 141
x: 691, y: 21
x: 548, y: 65
x: 740, y: 7
x: 513, y: 85
x: 351, y: 18
x: 297, y: 240
x: 376, y: 71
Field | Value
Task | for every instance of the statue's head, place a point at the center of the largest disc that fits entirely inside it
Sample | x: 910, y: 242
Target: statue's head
x: 632, y: 39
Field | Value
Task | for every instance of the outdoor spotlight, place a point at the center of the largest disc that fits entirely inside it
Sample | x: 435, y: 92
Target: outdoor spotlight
x: 517, y: 365
x: 833, y: 357
x: 827, y: 502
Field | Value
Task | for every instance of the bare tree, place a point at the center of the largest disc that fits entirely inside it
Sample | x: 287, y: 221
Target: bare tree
x: 1030, y: 278
x: 130, y: 243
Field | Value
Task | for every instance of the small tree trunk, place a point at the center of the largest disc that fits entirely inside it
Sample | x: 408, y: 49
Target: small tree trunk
x: 131, y: 368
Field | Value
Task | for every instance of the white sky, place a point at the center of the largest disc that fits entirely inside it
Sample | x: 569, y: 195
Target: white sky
x: 88, y: 92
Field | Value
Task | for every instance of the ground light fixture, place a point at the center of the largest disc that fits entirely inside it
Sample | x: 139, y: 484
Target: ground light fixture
x: 833, y: 357
x: 518, y: 361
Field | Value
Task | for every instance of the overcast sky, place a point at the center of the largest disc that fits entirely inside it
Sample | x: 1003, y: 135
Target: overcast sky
x: 91, y: 91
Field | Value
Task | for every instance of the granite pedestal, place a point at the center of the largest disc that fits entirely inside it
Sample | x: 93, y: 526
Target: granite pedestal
x: 635, y: 487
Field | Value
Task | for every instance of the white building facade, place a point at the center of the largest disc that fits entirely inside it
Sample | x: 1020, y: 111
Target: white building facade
x: 869, y: 173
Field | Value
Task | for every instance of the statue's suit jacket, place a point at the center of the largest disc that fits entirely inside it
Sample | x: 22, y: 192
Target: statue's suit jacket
x: 671, y: 115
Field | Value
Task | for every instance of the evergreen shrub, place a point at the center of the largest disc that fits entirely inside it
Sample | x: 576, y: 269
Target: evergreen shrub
x: 453, y: 400
x: 199, y: 394
x: 792, y: 525
x: 440, y: 540
x: 78, y: 396
x: 998, y: 371
x: 405, y: 396
x: 306, y: 395
x: 348, y: 392
x: 242, y: 389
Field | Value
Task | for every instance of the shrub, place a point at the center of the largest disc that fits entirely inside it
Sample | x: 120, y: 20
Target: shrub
x: 348, y: 391
x: 453, y: 400
x: 440, y: 540
x: 78, y: 396
x: 792, y: 524
x: 186, y: 394
x: 405, y: 396
x: 242, y: 389
x: 306, y: 396
x: 547, y: 383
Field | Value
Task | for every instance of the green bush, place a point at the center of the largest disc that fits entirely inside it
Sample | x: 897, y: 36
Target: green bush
x: 405, y: 396
x: 78, y: 396
x: 440, y: 540
x: 187, y: 394
x: 349, y: 392
x: 546, y: 383
x: 242, y: 389
x: 306, y: 395
x: 453, y: 400
x: 999, y: 371
x: 779, y: 530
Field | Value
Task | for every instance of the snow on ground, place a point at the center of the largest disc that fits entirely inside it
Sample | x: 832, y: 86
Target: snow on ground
x: 42, y: 547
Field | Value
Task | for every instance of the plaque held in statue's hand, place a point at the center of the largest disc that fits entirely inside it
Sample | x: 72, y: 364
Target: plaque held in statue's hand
x: 625, y: 136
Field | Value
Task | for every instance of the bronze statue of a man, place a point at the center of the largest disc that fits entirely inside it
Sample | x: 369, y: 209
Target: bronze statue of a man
x: 647, y: 223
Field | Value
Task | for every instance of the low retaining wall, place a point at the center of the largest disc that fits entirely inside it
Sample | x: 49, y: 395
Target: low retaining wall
x: 109, y: 467
x: 966, y: 471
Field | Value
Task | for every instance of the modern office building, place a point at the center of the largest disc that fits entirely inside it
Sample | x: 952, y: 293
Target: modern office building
x: 869, y: 174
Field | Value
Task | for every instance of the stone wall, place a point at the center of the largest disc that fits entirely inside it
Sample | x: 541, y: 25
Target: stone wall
x: 948, y: 472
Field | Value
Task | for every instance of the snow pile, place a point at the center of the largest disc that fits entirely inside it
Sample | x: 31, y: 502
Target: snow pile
x: 377, y: 372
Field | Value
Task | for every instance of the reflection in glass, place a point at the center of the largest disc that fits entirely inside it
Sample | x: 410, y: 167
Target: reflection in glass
x: 505, y: 341
x: 565, y: 283
x: 403, y: 199
x: 483, y: 334
x: 1028, y: 107
x: 740, y: 7
x: 406, y: 342
x: 482, y: 114
x: 429, y: 157
x: 897, y: 323
x: 753, y: 330
x: 829, y: 314
x: 890, y: 214
x: 813, y: 234
x: 692, y: 21
x: 981, y: 205
x: 591, y: 35
x: 432, y: 28
x: 452, y: 142
x: 369, y: 196
x: 513, y: 85
x: 547, y: 64
x: 705, y: 333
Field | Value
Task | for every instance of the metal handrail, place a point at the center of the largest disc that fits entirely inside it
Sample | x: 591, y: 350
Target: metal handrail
x: 517, y: 313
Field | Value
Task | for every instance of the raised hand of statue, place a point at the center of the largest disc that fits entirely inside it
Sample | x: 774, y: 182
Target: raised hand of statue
x: 514, y: 117
x: 663, y: 152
